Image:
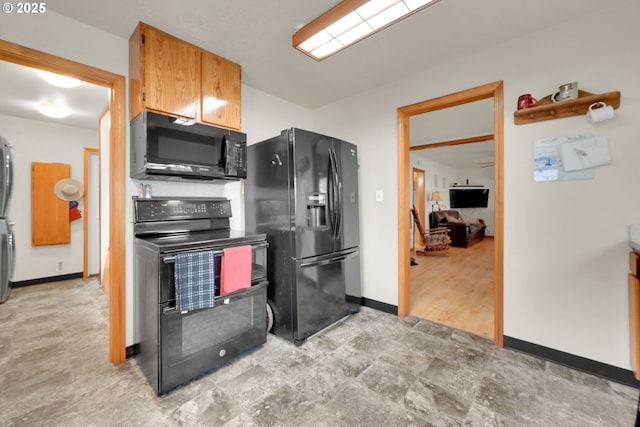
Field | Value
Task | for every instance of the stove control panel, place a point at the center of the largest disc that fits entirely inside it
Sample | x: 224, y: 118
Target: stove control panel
x: 170, y: 209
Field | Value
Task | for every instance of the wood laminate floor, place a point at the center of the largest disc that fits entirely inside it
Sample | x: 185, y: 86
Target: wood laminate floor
x: 456, y: 290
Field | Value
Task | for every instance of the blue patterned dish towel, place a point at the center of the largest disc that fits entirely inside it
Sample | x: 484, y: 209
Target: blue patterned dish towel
x: 195, y: 280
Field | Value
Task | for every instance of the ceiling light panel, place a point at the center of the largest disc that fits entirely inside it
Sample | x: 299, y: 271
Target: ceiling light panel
x: 345, y: 24
x: 388, y: 15
x: 316, y: 41
x: 355, y: 34
x: 415, y: 4
x: 327, y: 49
x: 374, y: 7
x: 350, y: 21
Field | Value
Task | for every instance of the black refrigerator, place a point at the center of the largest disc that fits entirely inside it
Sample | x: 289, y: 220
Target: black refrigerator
x: 301, y: 190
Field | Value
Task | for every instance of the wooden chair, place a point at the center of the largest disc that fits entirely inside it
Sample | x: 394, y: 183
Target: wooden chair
x: 435, y: 240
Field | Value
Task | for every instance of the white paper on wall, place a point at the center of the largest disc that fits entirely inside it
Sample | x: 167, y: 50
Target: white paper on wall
x: 547, y: 160
x: 585, y: 153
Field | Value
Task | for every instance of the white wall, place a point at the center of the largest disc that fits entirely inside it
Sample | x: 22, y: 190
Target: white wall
x: 39, y: 141
x: 565, y: 257
x: 420, y: 160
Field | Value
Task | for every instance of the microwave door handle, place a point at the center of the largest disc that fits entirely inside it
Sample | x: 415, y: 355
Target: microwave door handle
x: 223, y: 153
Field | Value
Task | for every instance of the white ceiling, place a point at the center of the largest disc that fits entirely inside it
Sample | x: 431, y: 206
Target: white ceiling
x: 464, y: 121
x: 22, y: 89
x: 257, y: 35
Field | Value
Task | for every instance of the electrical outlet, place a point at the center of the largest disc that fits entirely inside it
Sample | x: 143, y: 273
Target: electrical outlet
x: 59, y: 268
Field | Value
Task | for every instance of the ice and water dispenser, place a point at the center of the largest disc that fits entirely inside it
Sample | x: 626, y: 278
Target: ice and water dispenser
x: 316, y: 210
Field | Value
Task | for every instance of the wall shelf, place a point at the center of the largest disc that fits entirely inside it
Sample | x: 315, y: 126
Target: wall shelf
x: 547, y: 110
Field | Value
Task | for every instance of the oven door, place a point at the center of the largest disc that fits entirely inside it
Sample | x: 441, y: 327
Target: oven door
x: 198, y: 341
x: 258, y: 268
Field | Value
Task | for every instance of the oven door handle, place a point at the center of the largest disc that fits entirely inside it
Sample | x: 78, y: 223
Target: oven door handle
x: 169, y: 310
x: 172, y: 258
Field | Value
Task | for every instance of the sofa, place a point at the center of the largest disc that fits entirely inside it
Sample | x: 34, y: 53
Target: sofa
x: 463, y: 231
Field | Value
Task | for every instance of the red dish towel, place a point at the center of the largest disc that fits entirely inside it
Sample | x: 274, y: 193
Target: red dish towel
x: 235, y: 271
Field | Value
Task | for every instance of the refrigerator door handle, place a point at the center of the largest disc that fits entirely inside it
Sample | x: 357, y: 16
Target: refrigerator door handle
x: 331, y: 195
x: 8, y: 179
x: 11, y: 251
x: 327, y: 261
x: 335, y: 194
x: 339, y: 194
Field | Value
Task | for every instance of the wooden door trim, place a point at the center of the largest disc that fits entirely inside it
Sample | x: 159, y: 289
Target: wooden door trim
x: 420, y: 209
x: 87, y: 152
x: 22, y: 55
x: 480, y: 138
x: 491, y: 90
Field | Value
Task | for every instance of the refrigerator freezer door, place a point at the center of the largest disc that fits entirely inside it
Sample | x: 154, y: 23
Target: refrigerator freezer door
x: 320, y: 297
x: 314, y: 209
x: 6, y: 177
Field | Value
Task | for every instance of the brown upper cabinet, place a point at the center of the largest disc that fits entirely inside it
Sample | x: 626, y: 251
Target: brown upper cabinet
x: 221, y: 95
x: 168, y: 75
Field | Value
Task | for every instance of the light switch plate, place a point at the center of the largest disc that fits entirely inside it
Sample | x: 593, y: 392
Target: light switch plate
x: 379, y: 196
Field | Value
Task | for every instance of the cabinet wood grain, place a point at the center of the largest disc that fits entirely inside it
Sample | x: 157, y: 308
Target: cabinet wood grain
x: 171, y: 76
x: 221, y: 91
x: 49, y: 214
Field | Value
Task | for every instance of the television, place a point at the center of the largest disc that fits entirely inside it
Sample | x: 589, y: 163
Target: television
x: 469, y: 197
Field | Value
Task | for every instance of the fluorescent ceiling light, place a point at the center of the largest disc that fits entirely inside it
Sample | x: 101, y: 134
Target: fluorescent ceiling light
x: 58, y: 80
x: 53, y: 110
x: 388, y: 15
x: 350, y: 21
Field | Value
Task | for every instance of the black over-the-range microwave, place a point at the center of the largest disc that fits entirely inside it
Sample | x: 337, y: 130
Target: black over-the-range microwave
x: 169, y: 148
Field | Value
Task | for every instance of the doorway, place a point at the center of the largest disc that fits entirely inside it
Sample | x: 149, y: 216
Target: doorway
x: 22, y: 55
x: 492, y: 90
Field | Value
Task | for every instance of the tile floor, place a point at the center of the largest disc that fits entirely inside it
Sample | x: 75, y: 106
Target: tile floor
x: 372, y: 370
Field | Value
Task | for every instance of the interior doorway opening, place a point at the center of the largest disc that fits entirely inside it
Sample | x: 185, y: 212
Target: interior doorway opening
x: 22, y: 55
x: 494, y: 91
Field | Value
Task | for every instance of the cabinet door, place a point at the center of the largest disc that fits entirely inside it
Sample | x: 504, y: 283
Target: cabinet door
x: 221, y: 92
x: 170, y: 74
x: 49, y: 214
